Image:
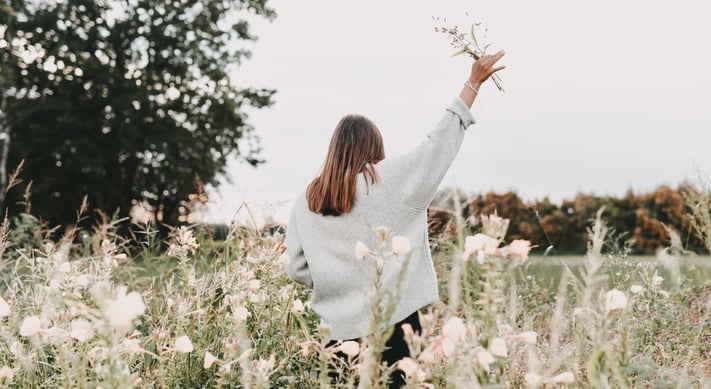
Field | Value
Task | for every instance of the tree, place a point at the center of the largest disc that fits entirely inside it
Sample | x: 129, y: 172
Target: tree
x: 127, y: 100
x: 6, y: 15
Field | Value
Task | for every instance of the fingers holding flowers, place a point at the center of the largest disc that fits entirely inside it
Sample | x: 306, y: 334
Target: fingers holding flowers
x: 485, y: 66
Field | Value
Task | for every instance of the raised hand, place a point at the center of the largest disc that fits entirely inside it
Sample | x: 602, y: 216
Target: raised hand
x: 485, y: 67
x: 482, y: 69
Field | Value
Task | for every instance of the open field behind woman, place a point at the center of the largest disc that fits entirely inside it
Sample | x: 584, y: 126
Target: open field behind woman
x: 549, y: 270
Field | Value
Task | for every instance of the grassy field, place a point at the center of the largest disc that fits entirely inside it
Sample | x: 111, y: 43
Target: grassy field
x: 548, y: 270
x: 101, y: 311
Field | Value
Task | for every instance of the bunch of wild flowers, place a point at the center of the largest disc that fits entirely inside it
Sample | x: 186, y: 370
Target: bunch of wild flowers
x: 184, y: 243
x: 467, y: 45
x: 66, y: 323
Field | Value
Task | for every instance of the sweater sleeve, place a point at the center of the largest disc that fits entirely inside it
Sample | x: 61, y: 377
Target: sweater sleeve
x: 418, y: 173
x: 297, y: 268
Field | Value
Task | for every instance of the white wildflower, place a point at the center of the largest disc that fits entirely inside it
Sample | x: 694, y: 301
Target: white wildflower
x: 6, y: 373
x: 227, y: 300
x: 427, y: 357
x: 498, y: 347
x: 361, y: 250
x: 246, y: 275
x: 209, y: 360
x: 54, y: 335
x: 62, y: 253
x: 480, y: 243
x: 495, y: 226
x: 664, y: 293
x: 484, y: 358
x: 563, y: 378
x: 283, y: 260
x: 174, y: 250
x: 97, y: 354
x: 407, y: 331
x: 240, y: 313
x: 454, y: 329
x: 284, y: 293
x: 657, y: 280
x: 256, y: 298
x: 186, y: 239
x: 520, y: 248
x: 448, y: 347
x: 350, y: 348
x: 132, y: 345
x: 637, y: 289
x: 480, y: 257
x: 505, y: 329
x: 533, y: 380
x: 64, y: 267
x: 77, y: 308
x: 266, y: 365
x: 4, y: 308
x: 108, y: 248
x: 16, y: 349
x: 408, y: 366
x: 401, y: 245
x: 81, y: 330
x: 54, y: 285
x: 529, y: 337
x: 183, y: 344
x: 82, y: 280
x: 615, y: 300
x: 306, y: 348
x: 30, y: 326
x: 379, y: 262
x: 253, y: 285
x: 121, y: 310
x: 382, y: 233
x: 298, y: 306
x: 420, y: 376
x: 183, y: 244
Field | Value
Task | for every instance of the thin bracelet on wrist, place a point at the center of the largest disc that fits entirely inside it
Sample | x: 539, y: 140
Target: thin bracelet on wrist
x: 470, y: 86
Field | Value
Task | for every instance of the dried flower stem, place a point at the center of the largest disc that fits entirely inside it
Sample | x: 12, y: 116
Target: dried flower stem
x: 464, y: 45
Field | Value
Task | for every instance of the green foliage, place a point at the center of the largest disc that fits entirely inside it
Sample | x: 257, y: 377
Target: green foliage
x: 127, y: 100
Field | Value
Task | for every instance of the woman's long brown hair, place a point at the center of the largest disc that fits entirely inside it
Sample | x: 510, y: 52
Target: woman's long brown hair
x: 355, y: 147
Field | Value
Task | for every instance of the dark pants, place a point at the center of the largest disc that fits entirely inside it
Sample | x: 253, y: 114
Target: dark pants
x: 395, y: 350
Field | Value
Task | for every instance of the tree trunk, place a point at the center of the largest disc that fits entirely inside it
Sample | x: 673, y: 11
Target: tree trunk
x: 4, y: 149
x: 8, y: 69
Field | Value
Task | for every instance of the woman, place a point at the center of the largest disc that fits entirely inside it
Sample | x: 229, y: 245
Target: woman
x: 358, y: 191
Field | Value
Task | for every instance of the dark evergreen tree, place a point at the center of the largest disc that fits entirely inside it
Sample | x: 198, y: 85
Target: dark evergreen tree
x: 125, y: 100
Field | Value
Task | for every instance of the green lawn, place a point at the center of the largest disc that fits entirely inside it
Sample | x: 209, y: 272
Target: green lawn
x: 548, y: 270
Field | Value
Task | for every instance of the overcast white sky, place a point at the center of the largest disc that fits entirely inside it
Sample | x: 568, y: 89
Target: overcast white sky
x: 600, y: 96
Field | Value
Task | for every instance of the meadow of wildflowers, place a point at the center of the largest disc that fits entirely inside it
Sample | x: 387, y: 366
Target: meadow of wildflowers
x: 94, y: 310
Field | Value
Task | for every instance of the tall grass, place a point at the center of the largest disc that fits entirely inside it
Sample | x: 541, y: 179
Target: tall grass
x: 94, y: 310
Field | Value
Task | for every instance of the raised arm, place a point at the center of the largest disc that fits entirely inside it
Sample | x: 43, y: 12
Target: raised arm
x: 417, y: 174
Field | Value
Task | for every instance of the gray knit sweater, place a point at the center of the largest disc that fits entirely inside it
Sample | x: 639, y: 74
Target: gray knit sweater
x: 322, y: 248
